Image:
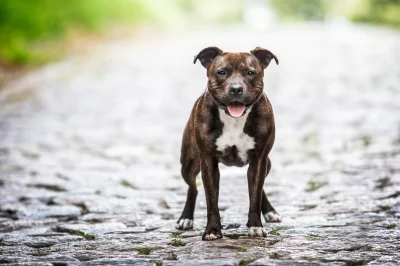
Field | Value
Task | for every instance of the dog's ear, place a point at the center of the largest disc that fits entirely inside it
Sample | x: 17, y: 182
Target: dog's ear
x: 207, y: 55
x: 264, y: 56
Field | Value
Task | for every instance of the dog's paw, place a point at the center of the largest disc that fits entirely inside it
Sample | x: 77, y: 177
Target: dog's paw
x: 272, y: 217
x: 211, y: 234
x: 184, y: 224
x: 257, y: 231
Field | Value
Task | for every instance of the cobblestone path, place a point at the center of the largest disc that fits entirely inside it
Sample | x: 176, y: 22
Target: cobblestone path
x: 89, y: 154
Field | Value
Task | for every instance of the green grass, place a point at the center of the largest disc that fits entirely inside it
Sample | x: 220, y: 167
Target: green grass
x: 375, y: 221
x: 28, y: 28
x: 245, y: 262
x: 233, y: 236
x: 314, y: 185
x: 277, y: 229
x: 87, y: 236
x: 390, y: 226
x: 384, y: 207
x: 126, y: 183
x: 366, y: 140
x: 144, y: 251
x: 177, y: 242
x: 275, y: 256
x: 157, y: 262
x: 242, y: 249
x: 175, y: 234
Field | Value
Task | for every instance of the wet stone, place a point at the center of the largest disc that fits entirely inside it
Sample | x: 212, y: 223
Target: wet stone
x: 272, y: 262
x: 130, y: 230
x: 90, y: 228
x: 30, y: 263
x: 223, y: 262
x: 12, y: 225
x: 232, y: 225
x: 122, y: 262
x: 189, y: 233
x: 38, y: 211
x: 57, y: 259
x: 39, y: 243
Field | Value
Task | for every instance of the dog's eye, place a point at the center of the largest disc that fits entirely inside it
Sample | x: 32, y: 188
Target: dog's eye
x: 251, y: 73
x: 221, y: 73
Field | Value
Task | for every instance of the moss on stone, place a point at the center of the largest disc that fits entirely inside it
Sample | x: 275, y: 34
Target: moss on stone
x: 87, y: 236
x: 314, y: 185
x: 242, y: 249
x: 384, y: 207
x: 315, y: 237
x: 390, y: 226
x: 245, y: 262
x: 177, y: 242
x: 277, y: 229
x: 275, y: 256
x: 144, y: 251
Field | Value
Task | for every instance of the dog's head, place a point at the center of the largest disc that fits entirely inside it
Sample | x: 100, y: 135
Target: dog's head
x: 235, y: 80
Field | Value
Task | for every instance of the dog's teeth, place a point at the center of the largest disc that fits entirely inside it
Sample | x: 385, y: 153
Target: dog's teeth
x: 257, y: 231
x: 272, y: 217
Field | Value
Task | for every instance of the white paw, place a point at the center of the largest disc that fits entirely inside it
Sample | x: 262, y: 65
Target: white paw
x: 211, y: 236
x: 185, y: 224
x: 257, y: 231
x: 272, y: 217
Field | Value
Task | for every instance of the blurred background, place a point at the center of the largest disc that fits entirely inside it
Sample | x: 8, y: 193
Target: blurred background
x: 95, y: 94
x: 40, y: 31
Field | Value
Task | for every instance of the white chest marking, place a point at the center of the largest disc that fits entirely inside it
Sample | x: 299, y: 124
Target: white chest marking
x: 232, y: 134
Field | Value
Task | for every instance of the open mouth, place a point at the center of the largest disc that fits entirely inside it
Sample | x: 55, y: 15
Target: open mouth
x: 236, y: 109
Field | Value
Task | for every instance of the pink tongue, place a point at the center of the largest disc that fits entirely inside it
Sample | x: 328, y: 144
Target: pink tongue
x: 236, y: 109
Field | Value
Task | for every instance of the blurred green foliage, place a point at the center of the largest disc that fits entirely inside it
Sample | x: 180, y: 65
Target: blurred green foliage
x: 372, y: 11
x: 300, y: 9
x: 25, y: 24
x: 31, y: 30
x: 375, y: 11
x: 211, y: 11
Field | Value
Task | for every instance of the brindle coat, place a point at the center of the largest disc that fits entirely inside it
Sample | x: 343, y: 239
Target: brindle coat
x: 199, y: 150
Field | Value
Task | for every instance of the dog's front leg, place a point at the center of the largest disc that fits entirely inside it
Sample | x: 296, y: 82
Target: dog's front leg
x: 210, y: 176
x: 255, y: 177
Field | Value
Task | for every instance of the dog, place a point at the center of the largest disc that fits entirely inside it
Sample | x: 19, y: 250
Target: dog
x: 231, y: 123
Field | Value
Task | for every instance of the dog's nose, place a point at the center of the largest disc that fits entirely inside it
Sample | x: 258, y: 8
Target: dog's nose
x: 236, y: 89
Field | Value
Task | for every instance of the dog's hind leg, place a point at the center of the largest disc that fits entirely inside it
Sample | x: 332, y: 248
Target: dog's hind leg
x: 190, y: 169
x: 269, y: 213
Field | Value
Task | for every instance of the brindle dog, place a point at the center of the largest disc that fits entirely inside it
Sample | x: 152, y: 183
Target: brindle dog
x: 231, y: 123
